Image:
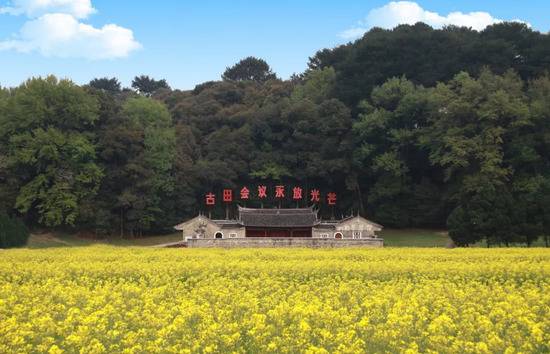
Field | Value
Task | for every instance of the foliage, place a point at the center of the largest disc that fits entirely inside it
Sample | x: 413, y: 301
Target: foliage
x: 104, y: 299
x: 49, y: 150
x: 249, y: 69
x: 106, y: 84
x: 147, y: 86
x: 428, y: 56
x: 404, y: 188
x: 13, y: 232
x: 412, y: 127
x: 316, y: 86
x: 271, y: 171
x: 146, y: 178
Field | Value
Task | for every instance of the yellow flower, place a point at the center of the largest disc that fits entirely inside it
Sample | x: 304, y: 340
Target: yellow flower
x: 104, y: 299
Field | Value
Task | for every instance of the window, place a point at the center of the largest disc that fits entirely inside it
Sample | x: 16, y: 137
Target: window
x: 324, y: 235
x: 233, y: 235
x: 356, y: 234
x: 218, y: 235
x: 338, y: 235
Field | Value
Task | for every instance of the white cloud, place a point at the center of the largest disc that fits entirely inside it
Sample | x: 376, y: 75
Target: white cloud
x: 408, y: 12
x: 37, y: 8
x: 62, y: 34
x: 354, y: 32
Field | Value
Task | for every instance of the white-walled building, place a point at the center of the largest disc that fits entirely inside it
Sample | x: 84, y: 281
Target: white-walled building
x: 280, y: 224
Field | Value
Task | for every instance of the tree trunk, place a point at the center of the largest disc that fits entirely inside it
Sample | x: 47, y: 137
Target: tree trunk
x: 121, y: 222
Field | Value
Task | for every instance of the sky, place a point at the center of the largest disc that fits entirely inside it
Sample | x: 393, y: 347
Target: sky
x: 189, y: 42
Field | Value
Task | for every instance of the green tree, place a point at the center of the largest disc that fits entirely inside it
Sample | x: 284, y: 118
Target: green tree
x: 403, y: 188
x: 249, y: 69
x: 146, y: 85
x: 317, y: 85
x: 47, y: 128
x: 106, y: 84
x: 8, y: 181
x: 427, y: 56
x: 532, y: 160
x: 477, y: 135
x: 148, y: 172
x: 13, y: 232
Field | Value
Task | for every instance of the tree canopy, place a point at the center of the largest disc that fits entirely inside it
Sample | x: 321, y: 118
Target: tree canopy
x: 106, y: 84
x: 249, y: 69
x: 147, y: 86
x: 412, y: 127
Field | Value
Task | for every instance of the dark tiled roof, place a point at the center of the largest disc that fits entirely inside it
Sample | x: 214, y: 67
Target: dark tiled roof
x: 324, y: 225
x: 303, y: 217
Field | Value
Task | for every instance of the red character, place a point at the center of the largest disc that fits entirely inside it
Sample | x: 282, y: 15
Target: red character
x: 315, y: 195
x: 227, y: 195
x: 331, y: 198
x: 262, y: 192
x: 279, y: 191
x: 245, y: 193
x: 210, y: 199
x: 296, y: 193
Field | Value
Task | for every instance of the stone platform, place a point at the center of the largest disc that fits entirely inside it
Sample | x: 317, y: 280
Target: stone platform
x: 273, y: 242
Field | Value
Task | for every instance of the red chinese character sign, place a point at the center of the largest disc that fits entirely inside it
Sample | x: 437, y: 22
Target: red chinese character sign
x: 331, y: 198
x: 315, y: 196
x: 279, y: 192
x: 296, y: 193
x: 210, y: 199
x: 262, y: 192
x: 227, y: 195
x: 245, y: 193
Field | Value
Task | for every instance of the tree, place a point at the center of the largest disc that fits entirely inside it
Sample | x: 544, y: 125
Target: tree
x: 147, y: 174
x: 531, y: 154
x: 474, y: 134
x: 413, y: 126
x: 544, y: 207
x: 489, y: 214
x: 316, y: 86
x: 63, y: 175
x: 427, y: 56
x: 460, y: 224
x: 13, y: 232
x: 105, y: 84
x: 249, y: 69
x: 403, y: 188
x: 47, y: 132
x: 147, y: 86
x: 271, y: 171
x: 8, y: 181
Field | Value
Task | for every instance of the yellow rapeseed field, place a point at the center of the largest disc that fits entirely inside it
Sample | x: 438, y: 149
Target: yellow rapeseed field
x: 105, y: 299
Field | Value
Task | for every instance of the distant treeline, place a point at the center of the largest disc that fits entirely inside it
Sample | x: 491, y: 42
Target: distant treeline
x: 411, y: 127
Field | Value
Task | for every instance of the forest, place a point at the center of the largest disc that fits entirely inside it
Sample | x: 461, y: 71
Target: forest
x: 411, y: 127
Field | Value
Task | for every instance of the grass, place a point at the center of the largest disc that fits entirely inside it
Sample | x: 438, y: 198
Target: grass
x: 415, y: 238
x: 47, y: 240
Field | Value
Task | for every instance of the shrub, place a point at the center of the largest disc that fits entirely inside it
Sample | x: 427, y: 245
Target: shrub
x: 13, y: 232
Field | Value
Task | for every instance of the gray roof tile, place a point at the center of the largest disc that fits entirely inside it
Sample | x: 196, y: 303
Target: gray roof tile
x: 299, y: 217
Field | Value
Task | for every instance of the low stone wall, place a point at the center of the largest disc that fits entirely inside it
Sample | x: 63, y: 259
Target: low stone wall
x: 307, y: 242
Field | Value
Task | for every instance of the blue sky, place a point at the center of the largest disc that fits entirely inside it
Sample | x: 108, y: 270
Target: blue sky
x: 189, y: 42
